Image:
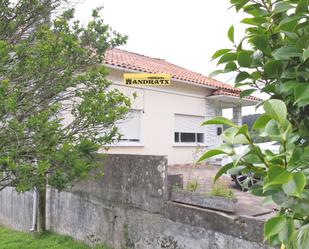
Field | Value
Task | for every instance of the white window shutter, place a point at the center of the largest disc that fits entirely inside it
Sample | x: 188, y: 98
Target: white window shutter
x: 130, y: 127
x: 188, y: 123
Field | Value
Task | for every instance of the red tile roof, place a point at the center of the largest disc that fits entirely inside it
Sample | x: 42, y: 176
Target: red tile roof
x: 225, y: 93
x: 142, y: 63
x: 133, y: 61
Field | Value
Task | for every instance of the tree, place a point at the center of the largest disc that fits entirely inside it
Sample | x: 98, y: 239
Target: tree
x: 56, y: 106
x: 273, y: 58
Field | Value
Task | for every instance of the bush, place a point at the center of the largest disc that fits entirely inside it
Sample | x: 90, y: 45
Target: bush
x: 273, y: 58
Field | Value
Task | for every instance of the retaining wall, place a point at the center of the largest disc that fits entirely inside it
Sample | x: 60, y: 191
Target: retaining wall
x: 129, y: 208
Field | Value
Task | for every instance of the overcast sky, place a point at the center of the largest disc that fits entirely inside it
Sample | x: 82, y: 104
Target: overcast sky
x: 182, y: 32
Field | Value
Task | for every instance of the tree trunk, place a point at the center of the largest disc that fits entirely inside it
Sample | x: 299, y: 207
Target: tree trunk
x: 41, y: 212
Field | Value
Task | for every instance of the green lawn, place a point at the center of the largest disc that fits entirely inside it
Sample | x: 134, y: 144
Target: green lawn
x: 10, y: 239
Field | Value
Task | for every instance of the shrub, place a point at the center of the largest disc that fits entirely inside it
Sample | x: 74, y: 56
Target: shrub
x: 273, y: 58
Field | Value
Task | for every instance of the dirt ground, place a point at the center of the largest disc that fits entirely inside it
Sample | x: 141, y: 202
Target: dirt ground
x: 247, y: 203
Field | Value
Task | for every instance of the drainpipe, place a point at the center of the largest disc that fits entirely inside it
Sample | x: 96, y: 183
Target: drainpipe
x: 34, y: 210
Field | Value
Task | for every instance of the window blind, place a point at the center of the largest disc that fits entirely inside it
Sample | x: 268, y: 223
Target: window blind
x: 188, y: 123
x: 130, y: 127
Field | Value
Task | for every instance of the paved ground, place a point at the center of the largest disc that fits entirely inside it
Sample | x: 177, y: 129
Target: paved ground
x: 247, y: 203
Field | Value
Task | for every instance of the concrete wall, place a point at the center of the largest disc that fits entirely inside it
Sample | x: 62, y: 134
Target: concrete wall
x: 129, y: 208
x: 16, y: 209
x: 159, y: 105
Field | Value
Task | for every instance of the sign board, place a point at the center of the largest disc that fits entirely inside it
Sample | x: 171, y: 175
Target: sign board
x: 147, y: 79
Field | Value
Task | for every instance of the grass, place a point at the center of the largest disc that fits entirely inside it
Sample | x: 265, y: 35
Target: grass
x: 10, y: 239
x: 192, y: 186
x: 221, y: 189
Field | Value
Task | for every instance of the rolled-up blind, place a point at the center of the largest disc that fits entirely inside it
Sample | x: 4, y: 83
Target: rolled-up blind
x: 130, y: 127
x: 188, y: 123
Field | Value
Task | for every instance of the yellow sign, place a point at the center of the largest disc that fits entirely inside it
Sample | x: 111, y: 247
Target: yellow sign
x: 146, y: 79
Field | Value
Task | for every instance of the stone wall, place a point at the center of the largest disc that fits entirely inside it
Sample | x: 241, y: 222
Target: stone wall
x: 129, y: 208
x: 237, y: 115
x: 212, y: 139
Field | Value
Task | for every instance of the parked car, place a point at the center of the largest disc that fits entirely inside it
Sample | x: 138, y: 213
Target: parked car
x: 244, y: 180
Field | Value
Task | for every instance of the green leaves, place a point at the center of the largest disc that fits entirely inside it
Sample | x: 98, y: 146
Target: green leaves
x: 289, y: 23
x: 219, y: 121
x: 255, y: 21
x: 4, y: 52
x: 244, y: 59
x: 232, y: 136
x: 277, y: 175
x: 247, y: 92
x: 261, y: 122
x: 301, y: 94
x: 296, y: 185
x: 272, y: 57
x: 272, y: 130
x: 219, y: 53
x: 306, y: 54
x: 273, y: 68
x: 239, y: 3
x: 231, y: 33
x: 282, y: 7
x: 260, y: 41
x: 223, y: 170
x: 227, y: 57
x: 287, y: 233
x: 302, y: 7
x: 286, y: 53
x: 242, y: 76
x: 209, y: 154
x: 56, y: 105
x: 230, y: 67
x: 276, y: 110
x: 302, y: 238
x: 273, y: 226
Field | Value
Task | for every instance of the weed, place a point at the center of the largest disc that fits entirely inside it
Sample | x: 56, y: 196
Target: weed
x: 192, y: 186
x: 221, y: 189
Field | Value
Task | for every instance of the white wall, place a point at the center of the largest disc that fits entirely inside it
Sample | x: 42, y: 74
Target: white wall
x: 159, y: 105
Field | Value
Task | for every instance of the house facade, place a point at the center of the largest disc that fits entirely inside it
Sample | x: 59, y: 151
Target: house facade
x: 165, y: 120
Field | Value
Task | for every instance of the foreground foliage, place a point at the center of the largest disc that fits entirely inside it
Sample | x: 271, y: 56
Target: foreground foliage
x: 273, y: 58
x: 283, y: 176
x: 56, y: 105
x: 12, y: 240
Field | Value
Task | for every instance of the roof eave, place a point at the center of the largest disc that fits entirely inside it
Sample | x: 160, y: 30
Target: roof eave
x: 174, y: 79
x: 231, y: 101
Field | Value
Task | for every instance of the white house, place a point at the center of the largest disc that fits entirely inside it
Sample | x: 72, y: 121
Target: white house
x: 165, y: 120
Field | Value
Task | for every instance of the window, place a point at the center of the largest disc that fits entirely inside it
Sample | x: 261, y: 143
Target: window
x: 130, y: 128
x: 200, y: 137
x: 184, y: 137
x: 188, y: 129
